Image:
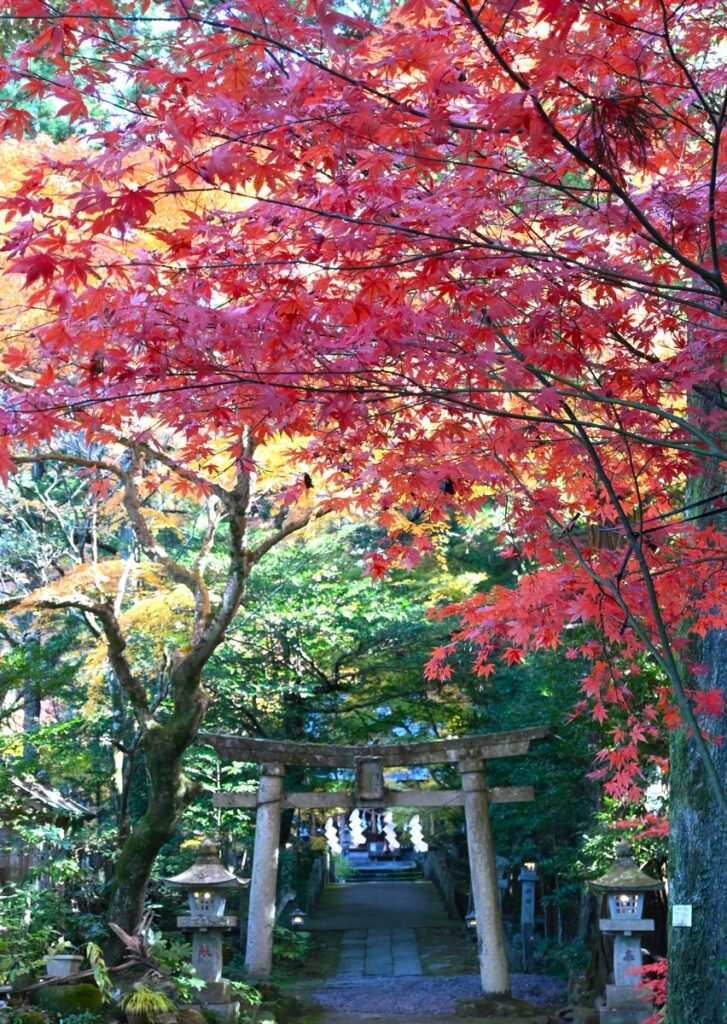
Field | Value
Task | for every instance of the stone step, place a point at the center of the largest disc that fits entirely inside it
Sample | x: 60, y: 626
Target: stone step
x: 384, y: 875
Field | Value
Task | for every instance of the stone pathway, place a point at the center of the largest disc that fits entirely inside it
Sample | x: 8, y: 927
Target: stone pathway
x: 366, y: 906
x: 379, y: 952
x: 383, y: 976
x: 378, y: 922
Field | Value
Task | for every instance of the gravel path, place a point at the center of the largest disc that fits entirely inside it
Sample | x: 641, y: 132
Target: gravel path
x: 427, y: 994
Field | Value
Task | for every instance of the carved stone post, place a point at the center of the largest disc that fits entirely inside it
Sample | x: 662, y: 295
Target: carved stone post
x: 528, y: 878
x: 494, y: 969
x: 261, y: 913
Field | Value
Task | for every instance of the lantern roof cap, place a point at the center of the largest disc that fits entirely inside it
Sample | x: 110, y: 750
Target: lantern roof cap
x: 207, y: 871
x: 624, y: 876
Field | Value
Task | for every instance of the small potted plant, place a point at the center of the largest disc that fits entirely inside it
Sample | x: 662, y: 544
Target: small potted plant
x: 61, y: 961
x: 145, y: 1005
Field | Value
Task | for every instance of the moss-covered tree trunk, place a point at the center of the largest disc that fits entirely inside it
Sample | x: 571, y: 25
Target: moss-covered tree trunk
x: 697, y: 992
x: 698, y: 866
x: 163, y: 748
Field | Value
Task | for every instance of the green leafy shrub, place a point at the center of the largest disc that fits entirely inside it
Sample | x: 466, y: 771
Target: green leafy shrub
x: 174, y: 956
x: 147, y: 1002
x: 289, y: 947
x: 100, y: 970
x: 86, y: 1017
x: 29, y: 926
x: 247, y: 994
x: 68, y: 999
x: 341, y: 867
x: 27, y: 1015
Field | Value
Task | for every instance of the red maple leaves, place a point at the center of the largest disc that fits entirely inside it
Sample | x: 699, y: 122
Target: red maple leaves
x: 455, y: 245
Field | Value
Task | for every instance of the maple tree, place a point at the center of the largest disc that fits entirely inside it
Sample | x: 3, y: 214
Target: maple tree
x: 468, y: 254
x: 166, y: 698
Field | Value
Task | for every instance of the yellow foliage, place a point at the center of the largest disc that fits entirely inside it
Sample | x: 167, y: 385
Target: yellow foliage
x: 158, y: 613
x: 93, y: 580
x: 450, y: 587
x: 148, y: 625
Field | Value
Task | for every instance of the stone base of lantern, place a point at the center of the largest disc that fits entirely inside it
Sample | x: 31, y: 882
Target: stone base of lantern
x: 216, y: 997
x: 215, y: 992
x: 227, y: 1011
x: 624, y: 1006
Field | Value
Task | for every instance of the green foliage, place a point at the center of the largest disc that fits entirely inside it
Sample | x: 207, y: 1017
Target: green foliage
x: 37, y: 667
x: 66, y: 999
x: 100, y: 970
x: 86, y: 1017
x: 289, y: 947
x: 50, y: 909
x: 27, y: 1015
x: 561, y: 959
x: 29, y: 924
x: 147, y: 1002
x: 62, y: 946
x: 248, y: 994
x: 341, y: 867
x: 320, y: 653
x: 174, y: 956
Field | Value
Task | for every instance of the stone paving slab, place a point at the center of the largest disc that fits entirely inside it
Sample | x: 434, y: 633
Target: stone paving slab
x: 382, y: 953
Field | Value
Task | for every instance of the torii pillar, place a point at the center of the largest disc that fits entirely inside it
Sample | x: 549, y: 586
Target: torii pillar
x: 494, y: 968
x: 264, y: 881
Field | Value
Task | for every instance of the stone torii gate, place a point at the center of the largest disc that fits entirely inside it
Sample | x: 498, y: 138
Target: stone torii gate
x: 469, y: 754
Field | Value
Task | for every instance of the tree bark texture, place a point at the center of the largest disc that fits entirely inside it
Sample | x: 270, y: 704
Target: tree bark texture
x: 163, y: 748
x: 697, y: 991
x: 698, y: 867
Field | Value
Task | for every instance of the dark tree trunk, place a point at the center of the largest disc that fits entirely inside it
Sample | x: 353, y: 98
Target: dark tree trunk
x: 294, y: 723
x: 163, y: 748
x: 31, y: 720
x: 698, y: 835
x: 698, y: 866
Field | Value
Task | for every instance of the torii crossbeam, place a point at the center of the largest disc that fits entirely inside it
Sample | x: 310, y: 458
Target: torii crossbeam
x: 469, y: 754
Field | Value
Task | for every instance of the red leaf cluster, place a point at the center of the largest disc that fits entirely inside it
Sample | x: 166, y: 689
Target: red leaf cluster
x: 475, y: 255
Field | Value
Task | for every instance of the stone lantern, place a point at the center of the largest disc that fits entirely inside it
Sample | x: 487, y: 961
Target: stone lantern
x: 528, y: 879
x: 625, y: 887
x: 502, y: 865
x: 297, y: 918
x: 206, y: 884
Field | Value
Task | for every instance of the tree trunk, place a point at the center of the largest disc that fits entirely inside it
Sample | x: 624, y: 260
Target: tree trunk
x: 31, y: 720
x: 698, y: 866
x: 163, y: 749
x: 697, y: 990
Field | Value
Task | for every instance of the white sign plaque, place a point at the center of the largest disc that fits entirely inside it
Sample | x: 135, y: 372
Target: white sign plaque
x: 681, y: 915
